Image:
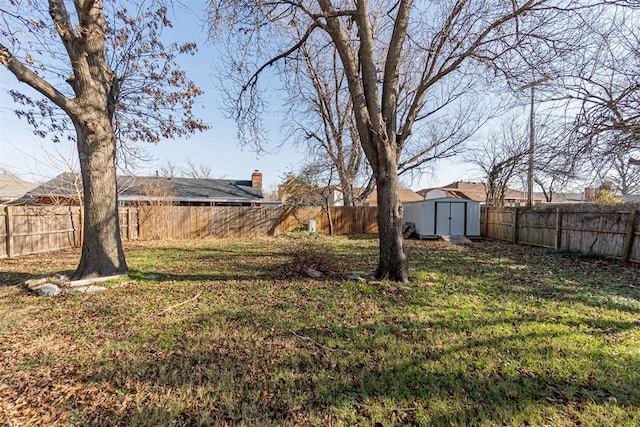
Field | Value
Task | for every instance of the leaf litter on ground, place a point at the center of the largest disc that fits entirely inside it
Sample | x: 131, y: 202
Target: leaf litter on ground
x: 232, y: 332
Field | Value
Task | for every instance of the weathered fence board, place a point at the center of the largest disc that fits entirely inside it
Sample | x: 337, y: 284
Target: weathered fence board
x: 32, y: 230
x: 186, y: 222
x: 189, y: 222
x: 345, y: 220
x: 28, y: 230
x: 607, y: 230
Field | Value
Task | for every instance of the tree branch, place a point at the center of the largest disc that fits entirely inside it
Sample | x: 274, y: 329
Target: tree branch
x: 27, y: 76
x: 392, y: 65
x: 254, y: 77
x: 64, y: 28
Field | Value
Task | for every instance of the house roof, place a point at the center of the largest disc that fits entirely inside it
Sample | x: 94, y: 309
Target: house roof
x: 12, y: 187
x: 460, y: 190
x: 159, y: 188
x: 474, y: 191
x: 562, y: 197
x: 404, y: 195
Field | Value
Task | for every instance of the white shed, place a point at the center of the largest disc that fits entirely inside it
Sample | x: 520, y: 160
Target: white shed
x: 446, y: 216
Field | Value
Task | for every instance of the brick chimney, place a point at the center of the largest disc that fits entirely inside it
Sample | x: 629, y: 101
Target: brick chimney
x: 256, y: 179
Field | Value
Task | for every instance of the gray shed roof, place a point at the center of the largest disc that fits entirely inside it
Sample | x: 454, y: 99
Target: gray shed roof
x: 12, y: 187
x: 145, y: 188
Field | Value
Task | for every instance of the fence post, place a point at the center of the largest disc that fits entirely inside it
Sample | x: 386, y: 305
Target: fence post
x: 558, y: 242
x: 483, y: 221
x: 631, y: 230
x: 515, y: 225
x: 9, y: 229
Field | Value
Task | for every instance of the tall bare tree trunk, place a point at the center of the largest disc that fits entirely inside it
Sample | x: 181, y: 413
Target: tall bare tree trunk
x: 102, y: 252
x: 393, y: 263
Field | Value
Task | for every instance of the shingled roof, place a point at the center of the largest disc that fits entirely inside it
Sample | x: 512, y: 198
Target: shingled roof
x: 136, y: 188
x: 472, y: 191
x: 404, y: 195
x: 12, y: 187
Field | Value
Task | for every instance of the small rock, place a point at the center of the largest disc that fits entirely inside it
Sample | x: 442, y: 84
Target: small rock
x: 353, y: 276
x: 48, y: 290
x: 58, y: 282
x: 87, y: 289
x: 313, y: 273
x: 34, y: 283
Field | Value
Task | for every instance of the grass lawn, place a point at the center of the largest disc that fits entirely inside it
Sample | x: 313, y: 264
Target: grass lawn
x: 231, y: 332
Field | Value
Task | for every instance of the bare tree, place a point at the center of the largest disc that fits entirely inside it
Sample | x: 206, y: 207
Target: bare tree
x: 113, y: 80
x: 624, y: 175
x: 439, y: 40
x: 557, y: 161
x: 154, y: 214
x: 200, y: 171
x: 311, y: 186
x: 322, y: 117
x: 502, y: 158
x: 168, y: 169
x: 606, y: 86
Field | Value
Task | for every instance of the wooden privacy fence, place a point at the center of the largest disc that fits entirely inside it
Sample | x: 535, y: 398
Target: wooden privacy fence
x: 189, y: 222
x: 607, y: 230
x: 346, y: 220
x: 26, y: 230
x: 32, y: 230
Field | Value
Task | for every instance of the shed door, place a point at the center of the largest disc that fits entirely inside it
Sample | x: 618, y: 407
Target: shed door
x: 451, y: 218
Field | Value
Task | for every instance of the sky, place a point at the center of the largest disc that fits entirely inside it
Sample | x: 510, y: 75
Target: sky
x: 36, y: 159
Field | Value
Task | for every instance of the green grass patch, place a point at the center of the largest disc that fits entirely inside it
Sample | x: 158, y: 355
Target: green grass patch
x: 232, y: 332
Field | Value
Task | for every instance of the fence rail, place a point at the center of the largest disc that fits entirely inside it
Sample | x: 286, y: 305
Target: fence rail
x: 607, y: 230
x: 26, y: 230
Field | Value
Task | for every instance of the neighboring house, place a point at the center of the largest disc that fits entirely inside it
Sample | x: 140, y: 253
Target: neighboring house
x: 477, y: 191
x: 13, y: 188
x: 473, y: 191
x: 333, y: 196
x: 134, y: 190
x: 404, y: 195
x: 562, y: 197
x: 457, y: 190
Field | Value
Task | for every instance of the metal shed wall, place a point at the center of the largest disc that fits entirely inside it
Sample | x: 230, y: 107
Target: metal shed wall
x: 431, y: 216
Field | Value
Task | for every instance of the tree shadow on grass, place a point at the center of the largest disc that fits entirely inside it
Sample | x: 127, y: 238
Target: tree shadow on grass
x: 222, y: 264
x: 11, y: 278
x: 266, y: 376
x: 504, y: 270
